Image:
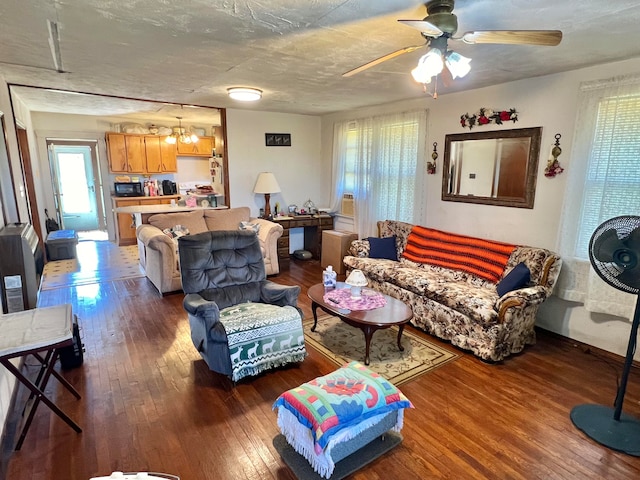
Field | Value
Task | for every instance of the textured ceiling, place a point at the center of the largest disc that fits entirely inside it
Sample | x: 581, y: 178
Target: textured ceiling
x: 190, y: 52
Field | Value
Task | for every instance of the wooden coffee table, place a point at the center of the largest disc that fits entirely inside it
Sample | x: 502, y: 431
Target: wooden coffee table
x: 394, y: 312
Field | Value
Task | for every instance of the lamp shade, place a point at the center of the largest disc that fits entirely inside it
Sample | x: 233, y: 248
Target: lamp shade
x: 356, y: 279
x: 266, y: 183
x: 429, y: 65
x: 457, y: 64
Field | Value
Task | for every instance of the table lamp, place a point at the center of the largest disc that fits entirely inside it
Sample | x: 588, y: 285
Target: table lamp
x: 356, y: 280
x: 266, y: 184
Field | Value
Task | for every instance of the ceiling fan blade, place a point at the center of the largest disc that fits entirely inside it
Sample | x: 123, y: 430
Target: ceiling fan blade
x: 425, y: 27
x: 384, y: 58
x: 518, y: 37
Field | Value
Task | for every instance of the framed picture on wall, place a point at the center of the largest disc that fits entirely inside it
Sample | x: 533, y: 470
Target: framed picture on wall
x: 277, y: 139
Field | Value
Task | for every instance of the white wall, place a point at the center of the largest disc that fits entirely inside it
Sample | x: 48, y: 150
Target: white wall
x: 297, y: 168
x: 549, y: 102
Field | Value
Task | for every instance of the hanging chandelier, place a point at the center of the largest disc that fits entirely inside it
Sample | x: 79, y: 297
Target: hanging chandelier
x: 180, y: 135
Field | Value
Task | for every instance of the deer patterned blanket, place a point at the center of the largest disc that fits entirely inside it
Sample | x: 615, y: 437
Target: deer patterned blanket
x: 262, y: 336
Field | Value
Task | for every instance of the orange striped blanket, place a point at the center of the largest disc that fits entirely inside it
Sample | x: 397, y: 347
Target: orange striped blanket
x: 484, y: 258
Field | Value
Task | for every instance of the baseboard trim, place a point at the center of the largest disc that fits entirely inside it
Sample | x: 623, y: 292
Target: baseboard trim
x: 590, y: 349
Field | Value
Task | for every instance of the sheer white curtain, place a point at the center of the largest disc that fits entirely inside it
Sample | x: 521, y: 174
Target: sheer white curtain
x: 340, y: 139
x: 603, y: 182
x: 389, y: 170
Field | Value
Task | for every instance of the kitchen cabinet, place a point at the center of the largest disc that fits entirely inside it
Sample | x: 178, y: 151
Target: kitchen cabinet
x: 125, y: 223
x: 126, y: 234
x: 202, y: 148
x: 117, y: 153
x: 126, y: 153
x: 136, y: 157
x: 144, y: 154
x: 161, y: 156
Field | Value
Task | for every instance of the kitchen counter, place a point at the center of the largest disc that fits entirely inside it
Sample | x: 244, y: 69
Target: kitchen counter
x: 147, y: 198
x: 162, y: 208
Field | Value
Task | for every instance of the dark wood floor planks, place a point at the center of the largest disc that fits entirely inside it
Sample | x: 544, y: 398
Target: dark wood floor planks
x: 150, y: 404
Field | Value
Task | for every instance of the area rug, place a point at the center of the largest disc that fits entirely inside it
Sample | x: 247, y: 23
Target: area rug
x: 342, y: 343
x: 95, y: 262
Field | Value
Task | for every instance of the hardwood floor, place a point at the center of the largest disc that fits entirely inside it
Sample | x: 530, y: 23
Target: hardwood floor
x: 149, y: 403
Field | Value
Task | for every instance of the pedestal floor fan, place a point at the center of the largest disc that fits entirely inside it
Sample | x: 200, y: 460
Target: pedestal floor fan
x: 614, y: 252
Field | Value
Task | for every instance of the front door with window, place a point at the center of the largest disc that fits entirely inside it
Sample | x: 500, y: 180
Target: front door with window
x: 75, y: 186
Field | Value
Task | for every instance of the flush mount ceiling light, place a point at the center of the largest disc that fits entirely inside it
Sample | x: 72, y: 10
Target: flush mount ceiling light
x: 244, y: 94
x: 180, y: 135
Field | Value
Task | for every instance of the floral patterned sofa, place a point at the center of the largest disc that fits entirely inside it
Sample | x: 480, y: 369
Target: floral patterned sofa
x: 456, y: 305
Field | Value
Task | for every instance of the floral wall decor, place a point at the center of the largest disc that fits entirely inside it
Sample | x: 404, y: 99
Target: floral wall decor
x: 485, y: 116
x: 553, y: 165
x: 431, y: 166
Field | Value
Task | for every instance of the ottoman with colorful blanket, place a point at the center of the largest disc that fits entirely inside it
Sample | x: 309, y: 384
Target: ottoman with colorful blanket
x: 331, y: 417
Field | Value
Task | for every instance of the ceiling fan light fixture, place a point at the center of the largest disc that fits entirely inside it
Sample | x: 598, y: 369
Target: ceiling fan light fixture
x: 244, y: 94
x: 429, y: 65
x: 457, y: 64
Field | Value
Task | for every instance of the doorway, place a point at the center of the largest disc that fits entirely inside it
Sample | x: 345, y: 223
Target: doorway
x: 76, y: 183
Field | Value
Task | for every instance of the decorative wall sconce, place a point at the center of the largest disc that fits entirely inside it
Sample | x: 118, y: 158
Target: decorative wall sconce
x: 431, y: 166
x: 553, y: 166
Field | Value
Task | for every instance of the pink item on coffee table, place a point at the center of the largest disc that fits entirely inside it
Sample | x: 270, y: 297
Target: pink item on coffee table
x: 369, y: 299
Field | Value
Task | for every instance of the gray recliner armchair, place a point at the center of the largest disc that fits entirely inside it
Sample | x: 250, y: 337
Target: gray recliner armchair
x: 241, y: 323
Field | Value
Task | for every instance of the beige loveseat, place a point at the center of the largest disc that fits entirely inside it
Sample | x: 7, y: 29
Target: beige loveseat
x: 452, y: 303
x: 158, y: 251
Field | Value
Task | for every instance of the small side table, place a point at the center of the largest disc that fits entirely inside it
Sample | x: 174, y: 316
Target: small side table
x: 40, y: 332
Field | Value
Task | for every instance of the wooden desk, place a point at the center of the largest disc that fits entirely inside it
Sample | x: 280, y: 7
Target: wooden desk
x: 313, y: 226
x: 40, y: 332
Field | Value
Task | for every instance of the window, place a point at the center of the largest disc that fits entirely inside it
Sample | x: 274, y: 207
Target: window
x: 398, y: 166
x: 351, y: 158
x: 379, y: 167
x: 347, y: 205
x: 603, y: 182
x: 612, y: 183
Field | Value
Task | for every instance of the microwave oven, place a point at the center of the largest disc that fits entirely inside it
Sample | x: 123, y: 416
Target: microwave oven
x: 128, y: 189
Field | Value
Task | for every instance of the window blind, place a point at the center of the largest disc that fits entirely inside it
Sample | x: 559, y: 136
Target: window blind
x: 612, y: 180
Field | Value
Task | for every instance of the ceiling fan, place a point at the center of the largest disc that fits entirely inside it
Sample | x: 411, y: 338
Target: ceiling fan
x: 440, y: 26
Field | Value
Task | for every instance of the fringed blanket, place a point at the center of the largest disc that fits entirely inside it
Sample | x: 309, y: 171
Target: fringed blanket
x: 484, y: 258
x: 335, y: 408
x: 262, y: 336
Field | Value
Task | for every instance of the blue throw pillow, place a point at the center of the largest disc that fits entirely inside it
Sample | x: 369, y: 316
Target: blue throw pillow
x: 383, y: 248
x: 518, y: 277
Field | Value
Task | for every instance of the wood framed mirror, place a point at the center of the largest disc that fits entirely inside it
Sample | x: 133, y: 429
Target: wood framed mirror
x: 494, y: 168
